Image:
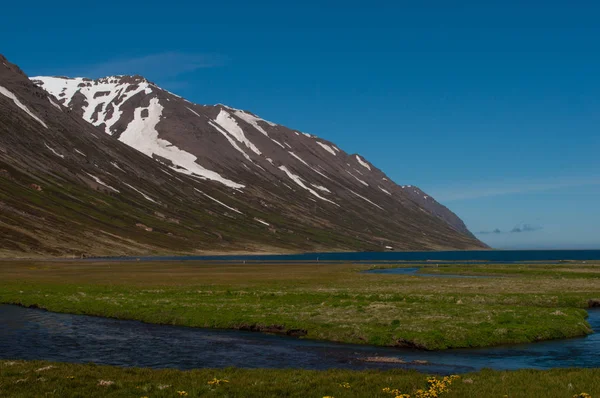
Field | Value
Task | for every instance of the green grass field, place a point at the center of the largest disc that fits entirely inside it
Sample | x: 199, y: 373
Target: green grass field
x: 519, y: 303
x: 45, y: 379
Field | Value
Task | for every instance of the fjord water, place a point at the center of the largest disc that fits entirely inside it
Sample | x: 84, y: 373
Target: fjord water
x: 27, y: 333
x: 479, y: 256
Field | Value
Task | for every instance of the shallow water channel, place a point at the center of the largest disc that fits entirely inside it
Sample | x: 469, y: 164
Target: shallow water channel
x: 416, y: 271
x: 27, y: 333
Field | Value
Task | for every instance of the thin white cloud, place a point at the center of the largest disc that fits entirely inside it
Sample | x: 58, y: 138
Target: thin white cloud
x: 499, y: 188
x: 519, y: 228
x: 155, y: 66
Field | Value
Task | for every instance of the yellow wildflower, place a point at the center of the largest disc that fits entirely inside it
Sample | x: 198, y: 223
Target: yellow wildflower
x: 217, y: 382
x: 182, y: 393
x: 345, y: 385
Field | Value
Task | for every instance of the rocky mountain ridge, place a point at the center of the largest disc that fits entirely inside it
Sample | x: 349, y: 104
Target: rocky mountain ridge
x: 231, y: 146
x: 200, y: 179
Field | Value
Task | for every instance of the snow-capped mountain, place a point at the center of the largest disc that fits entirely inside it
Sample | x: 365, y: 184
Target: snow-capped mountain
x: 191, y: 178
x: 232, y: 146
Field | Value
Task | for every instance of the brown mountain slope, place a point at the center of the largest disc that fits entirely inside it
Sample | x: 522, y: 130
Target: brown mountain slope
x: 67, y: 187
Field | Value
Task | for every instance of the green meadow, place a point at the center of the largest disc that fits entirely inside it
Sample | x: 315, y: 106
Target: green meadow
x: 335, y: 302
x: 46, y: 379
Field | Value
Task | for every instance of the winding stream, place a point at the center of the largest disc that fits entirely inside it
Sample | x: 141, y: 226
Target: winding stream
x: 27, y: 333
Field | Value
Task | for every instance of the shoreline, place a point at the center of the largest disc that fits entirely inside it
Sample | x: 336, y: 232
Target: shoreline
x: 216, y: 255
x: 300, y: 333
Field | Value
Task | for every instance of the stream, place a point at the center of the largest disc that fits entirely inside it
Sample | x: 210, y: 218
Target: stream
x: 35, y: 334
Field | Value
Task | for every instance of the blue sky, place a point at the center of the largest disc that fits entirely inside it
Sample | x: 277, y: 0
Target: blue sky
x: 492, y: 107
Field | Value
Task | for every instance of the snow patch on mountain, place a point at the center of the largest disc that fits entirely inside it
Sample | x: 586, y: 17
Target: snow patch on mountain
x: 300, y: 159
x: 321, y: 188
x: 321, y: 174
x: 251, y: 120
x: 227, y: 122
x: 358, y: 179
x: 54, y: 104
x: 141, y: 134
x: 113, y: 98
x: 327, y: 148
x: 141, y: 193
x: 262, y: 222
x: 308, y: 165
x: 230, y: 139
x: 219, y: 202
x: 193, y: 111
x: 363, y: 163
x: 278, y: 143
x: 99, y: 181
x: 54, y: 151
x: 100, y: 95
x: 362, y: 197
x: 301, y: 183
x: 8, y: 94
x: 62, y: 88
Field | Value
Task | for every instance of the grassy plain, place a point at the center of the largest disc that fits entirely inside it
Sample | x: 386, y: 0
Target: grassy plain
x: 518, y: 303
x: 39, y: 379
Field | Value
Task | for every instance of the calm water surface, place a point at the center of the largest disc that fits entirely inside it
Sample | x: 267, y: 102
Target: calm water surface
x: 36, y: 334
x: 484, y: 256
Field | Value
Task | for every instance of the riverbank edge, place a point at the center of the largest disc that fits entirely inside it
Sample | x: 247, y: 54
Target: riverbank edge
x: 301, y: 333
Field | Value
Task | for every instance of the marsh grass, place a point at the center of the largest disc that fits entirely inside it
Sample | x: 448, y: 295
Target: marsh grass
x: 332, y: 301
x: 37, y: 378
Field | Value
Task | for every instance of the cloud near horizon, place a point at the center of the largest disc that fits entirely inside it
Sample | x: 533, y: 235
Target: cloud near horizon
x: 516, y: 229
x: 164, y: 65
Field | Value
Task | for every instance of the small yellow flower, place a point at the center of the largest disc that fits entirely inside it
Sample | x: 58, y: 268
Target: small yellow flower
x: 217, y: 382
x: 182, y: 393
x: 345, y: 385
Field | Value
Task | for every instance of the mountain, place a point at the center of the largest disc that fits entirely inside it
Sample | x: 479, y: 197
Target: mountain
x: 118, y: 166
x: 233, y: 143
